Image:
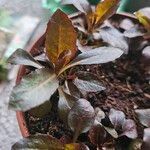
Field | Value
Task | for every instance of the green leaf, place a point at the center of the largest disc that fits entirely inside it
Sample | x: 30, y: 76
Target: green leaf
x: 22, y: 57
x: 114, y: 38
x: 81, y: 117
x: 95, y: 56
x: 65, y: 103
x: 86, y: 81
x: 81, y: 5
x: 33, y: 90
x: 144, y: 116
x: 38, y: 142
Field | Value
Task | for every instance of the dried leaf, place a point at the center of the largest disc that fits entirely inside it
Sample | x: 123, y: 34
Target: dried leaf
x: 81, y: 117
x: 117, y: 118
x: 88, y: 82
x: 114, y: 38
x: 64, y: 104
x: 129, y: 129
x: 104, y: 10
x: 81, y: 5
x: 22, y: 57
x: 144, y: 116
x: 146, y: 139
x: 38, y: 142
x: 60, y: 37
x: 27, y: 94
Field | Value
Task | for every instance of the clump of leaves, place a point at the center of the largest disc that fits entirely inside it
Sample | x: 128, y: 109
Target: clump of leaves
x: 37, y: 87
x: 91, y: 26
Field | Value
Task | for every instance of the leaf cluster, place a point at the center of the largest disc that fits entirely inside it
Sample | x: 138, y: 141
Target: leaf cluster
x: 49, y: 74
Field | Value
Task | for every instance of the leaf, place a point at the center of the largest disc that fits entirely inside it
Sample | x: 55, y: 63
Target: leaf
x: 76, y: 146
x: 41, y: 110
x: 145, y: 20
x: 86, y: 81
x: 146, y: 52
x: 97, y: 56
x: 38, y: 142
x: 97, y: 135
x: 143, y: 116
x: 99, y: 115
x: 117, y: 118
x: 22, y: 57
x: 81, y: 117
x: 27, y: 94
x: 112, y: 132
x: 133, y: 32
x: 74, y: 90
x: 135, y: 144
x: 104, y: 10
x: 81, y: 5
x: 65, y: 103
x: 146, y: 139
x: 114, y: 38
x: 129, y: 129
x: 60, y: 37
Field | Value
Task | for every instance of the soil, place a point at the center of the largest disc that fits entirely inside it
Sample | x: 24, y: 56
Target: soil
x: 127, y: 87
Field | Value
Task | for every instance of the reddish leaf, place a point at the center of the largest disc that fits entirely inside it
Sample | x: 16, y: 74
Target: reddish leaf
x: 81, y: 117
x: 60, y: 37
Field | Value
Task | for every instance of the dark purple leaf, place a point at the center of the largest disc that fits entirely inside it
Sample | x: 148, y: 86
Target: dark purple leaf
x: 22, y: 57
x: 129, y: 129
x: 97, y: 135
x: 65, y: 103
x: 146, y: 139
x: 81, y: 5
x: 81, y: 117
x: 146, y: 52
x: 144, y: 116
x: 38, y: 142
x: 88, y: 82
x: 117, y: 118
x: 114, y: 38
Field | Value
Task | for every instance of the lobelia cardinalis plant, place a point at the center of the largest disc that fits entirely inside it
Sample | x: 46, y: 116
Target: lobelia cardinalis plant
x: 44, y: 79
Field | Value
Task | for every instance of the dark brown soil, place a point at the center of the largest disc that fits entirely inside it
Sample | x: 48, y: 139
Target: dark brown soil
x: 127, y: 87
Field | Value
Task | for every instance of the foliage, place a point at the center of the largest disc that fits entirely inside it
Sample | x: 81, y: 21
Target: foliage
x: 93, y: 43
x: 63, y: 54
